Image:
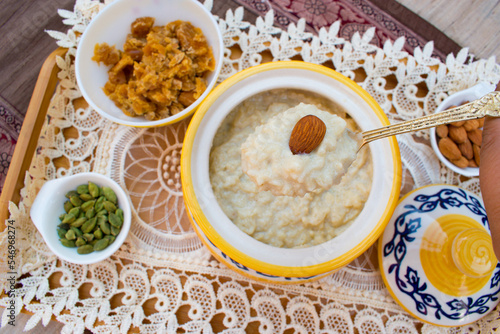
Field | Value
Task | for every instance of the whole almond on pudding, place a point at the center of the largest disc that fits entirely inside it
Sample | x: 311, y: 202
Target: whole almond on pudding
x: 307, y: 134
x: 449, y: 149
x: 457, y: 134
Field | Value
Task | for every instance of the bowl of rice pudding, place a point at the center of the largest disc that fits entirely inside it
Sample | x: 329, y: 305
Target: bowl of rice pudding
x: 274, y: 215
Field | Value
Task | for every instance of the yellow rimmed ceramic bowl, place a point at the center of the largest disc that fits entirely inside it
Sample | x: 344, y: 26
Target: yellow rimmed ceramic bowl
x: 244, y: 253
x: 112, y: 25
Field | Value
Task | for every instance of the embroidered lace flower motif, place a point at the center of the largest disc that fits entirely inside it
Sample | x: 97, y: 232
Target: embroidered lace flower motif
x: 319, y: 13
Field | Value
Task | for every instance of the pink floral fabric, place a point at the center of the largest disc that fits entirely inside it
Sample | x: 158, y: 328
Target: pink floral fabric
x: 10, y: 126
x: 354, y: 16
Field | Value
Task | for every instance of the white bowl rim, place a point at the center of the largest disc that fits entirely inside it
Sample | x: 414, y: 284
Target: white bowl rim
x: 86, y: 46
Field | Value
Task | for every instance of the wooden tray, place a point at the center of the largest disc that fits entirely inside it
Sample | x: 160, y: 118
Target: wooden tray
x: 30, y: 131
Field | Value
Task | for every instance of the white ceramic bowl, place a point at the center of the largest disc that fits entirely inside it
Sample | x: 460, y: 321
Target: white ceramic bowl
x: 112, y: 25
x: 244, y: 253
x: 457, y: 99
x: 49, y: 204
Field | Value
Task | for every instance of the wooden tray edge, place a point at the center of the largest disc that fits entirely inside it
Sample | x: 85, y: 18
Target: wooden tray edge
x: 30, y: 132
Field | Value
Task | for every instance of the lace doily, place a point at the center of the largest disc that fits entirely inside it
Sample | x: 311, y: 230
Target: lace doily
x: 162, y: 280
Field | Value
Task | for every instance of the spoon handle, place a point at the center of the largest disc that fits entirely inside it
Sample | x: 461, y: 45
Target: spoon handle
x: 488, y: 105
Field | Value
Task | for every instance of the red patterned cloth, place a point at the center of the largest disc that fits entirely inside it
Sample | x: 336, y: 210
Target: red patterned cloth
x: 354, y: 16
x: 10, y: 126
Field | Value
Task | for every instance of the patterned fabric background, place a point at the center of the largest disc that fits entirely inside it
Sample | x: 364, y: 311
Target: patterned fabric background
x: 354, y: 16
x: 10, y: 124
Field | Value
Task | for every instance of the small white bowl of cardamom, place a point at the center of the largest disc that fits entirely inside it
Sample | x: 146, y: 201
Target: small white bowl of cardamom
x: 457, y: 145
x: 83, y: 218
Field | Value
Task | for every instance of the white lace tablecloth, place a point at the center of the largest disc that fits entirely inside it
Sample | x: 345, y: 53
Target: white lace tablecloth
x: 163, y: 267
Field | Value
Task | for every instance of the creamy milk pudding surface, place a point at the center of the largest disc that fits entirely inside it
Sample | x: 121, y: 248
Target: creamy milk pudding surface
x: 282, y: 199
x: 267, y: 159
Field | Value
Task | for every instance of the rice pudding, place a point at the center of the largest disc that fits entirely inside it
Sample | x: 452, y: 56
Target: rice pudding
x: 279, y: 220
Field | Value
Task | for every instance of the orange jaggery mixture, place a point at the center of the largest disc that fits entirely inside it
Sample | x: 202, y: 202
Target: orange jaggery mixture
x: 160, y: 71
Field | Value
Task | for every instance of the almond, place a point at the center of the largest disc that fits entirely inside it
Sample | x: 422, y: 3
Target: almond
x: 449, y: 149
x: 459, y: 123
x: 471, y: 124
x: 476, y: 136
x: 461, y: 163
x: 307, y: 134
x: 457, y: 134
x: 481, y: 122
x: 477, y: 154
x: 472, y: 163
x: 442, y: 130
x: 466, y: 149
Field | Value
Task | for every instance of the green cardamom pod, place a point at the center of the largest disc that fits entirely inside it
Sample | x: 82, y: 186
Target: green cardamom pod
x: 94, y: 190
x: 68, y: 206
x: 70, y: 235
x: 80, y: 241
x: 85, y: 249
x: 88, y: 205
x: 79, y: 222
x: 99, y: 203
x: 86, y: 197
x: 89, y: 225
x: 105, y: 227
x: 90, y: 213
x: 102, y: 218
x: 110, y: 195
x: 82, y: 189
x: 71, y: 193
x: 68, y: 218
x: 115, y: 220
x: 67, y: 243
x: 110, y: 207
x: 64, y: 226
x: 88, y: 236
x: 119, y: 213
x: 111, y: 239
x: 75, y: 200
x: 75, y: 212
x: 101, y: 213
x: 115, y: 230
x: 61, y: 233
x: 61, y: 216
x: 98, y: 234
x: 101, y: 244
x: 77, y: 231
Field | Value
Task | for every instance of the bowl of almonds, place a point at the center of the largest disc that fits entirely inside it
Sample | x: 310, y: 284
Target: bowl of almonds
x: 458, y: 144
